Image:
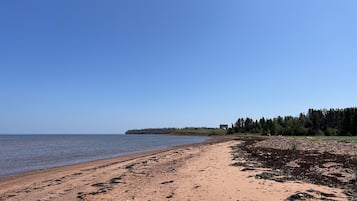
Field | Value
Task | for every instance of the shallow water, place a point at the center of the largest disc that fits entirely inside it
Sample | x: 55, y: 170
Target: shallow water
x: 22, y: 153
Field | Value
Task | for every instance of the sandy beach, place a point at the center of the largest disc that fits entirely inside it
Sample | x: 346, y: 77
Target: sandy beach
x: 193, y: 172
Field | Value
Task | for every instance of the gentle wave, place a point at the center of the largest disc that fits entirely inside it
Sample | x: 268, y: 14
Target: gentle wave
x: 22, y: 153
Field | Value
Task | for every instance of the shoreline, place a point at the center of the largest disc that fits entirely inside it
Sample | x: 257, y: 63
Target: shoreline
x: 89, y: 160
x: 123, y: 158
x: 200, y: 171
x: 11, y: 186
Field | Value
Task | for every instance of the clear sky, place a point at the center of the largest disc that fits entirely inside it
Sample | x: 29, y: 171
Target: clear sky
x: 107, y: 66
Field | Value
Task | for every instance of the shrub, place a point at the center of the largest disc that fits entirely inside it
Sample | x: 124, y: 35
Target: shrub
x: 294, y: 147
x: 331, y: 131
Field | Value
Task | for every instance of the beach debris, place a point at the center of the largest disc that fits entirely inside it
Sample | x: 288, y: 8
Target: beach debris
x: 129, y: 166
x: 167, y: 182
x: 321, y: 193
x: 248, y: 169
x: 170, y: 196
x: 116, y: 180
x: 313, y: 162
x: 98, y: 184
x: 300, y: 196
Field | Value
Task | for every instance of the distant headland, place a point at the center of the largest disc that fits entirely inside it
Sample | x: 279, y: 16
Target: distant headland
x: 151, y: 131
x: 205, y: 131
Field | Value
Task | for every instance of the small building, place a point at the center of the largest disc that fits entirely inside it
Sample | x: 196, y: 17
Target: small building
x: 223, y: 126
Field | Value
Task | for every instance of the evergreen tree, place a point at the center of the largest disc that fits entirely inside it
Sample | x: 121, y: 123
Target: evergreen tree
x: 315, y: 122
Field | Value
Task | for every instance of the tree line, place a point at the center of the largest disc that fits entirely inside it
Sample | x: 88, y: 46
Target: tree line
x: 315, y: 122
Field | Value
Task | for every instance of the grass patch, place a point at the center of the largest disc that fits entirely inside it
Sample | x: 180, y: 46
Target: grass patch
x: 345, y: 139
x: 200, y: 131
x: 249, y: 134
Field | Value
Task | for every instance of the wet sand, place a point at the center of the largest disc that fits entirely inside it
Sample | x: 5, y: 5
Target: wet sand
x: 195, y: 172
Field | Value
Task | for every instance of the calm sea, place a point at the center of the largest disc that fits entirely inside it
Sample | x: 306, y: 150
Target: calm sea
x: 22, y: 153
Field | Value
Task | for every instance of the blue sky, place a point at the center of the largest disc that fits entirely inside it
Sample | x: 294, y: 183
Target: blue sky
x: 108, y: 66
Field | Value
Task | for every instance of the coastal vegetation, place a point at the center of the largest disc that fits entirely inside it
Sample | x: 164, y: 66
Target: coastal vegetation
x: 317, y: 123
x: 204, y: 131
x: 332, y: 122
x: 200, y: 131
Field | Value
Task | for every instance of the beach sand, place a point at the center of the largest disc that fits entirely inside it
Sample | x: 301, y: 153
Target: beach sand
x: 195, y: 172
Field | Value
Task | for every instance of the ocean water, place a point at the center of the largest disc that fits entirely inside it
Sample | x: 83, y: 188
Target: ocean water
x: 22, y: 153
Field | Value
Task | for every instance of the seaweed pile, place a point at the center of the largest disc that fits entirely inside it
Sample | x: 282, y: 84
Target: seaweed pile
x: 321, y: 168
